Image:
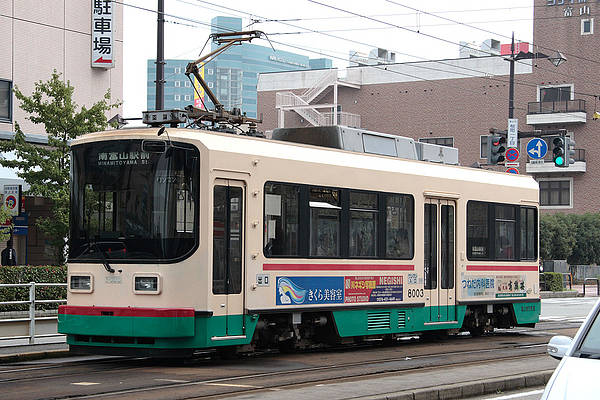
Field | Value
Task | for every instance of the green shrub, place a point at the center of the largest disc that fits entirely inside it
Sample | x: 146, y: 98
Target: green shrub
x: 37, y: 274
x: 553, y: 281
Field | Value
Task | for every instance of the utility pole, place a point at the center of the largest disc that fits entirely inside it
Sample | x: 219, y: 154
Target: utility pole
x: 160, y: 57
x: 511, y: 84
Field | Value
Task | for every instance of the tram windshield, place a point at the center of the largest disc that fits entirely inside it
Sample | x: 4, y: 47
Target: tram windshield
x: 133, y: 200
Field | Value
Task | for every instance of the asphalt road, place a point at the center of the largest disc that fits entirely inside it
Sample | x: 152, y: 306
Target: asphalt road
x: 335, y: 374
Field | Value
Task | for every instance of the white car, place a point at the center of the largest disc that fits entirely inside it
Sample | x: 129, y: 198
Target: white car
x: 575, y: 377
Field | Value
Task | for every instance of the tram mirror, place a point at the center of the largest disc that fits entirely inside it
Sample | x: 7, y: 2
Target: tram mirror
x: 154, y: 146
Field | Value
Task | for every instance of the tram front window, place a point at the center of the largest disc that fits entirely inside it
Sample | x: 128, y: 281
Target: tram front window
x: 133, y: 201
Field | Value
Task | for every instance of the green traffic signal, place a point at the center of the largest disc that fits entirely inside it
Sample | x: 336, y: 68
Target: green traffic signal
x: 559, y: 151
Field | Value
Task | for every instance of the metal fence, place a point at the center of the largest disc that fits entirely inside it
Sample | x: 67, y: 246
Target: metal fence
x: 582, y: 272
x: 32, y: 326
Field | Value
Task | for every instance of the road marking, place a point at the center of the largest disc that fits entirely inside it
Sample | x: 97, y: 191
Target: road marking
x: 85, y: 383
x: 234, y: 385
x: 517, y: 395
x: 172, y: 380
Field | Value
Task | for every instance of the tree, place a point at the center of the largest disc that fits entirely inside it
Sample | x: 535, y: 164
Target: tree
x: 46, y: 168
x: 556, y: 236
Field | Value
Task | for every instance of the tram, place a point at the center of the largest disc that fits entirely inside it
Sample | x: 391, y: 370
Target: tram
x: 205, y: 240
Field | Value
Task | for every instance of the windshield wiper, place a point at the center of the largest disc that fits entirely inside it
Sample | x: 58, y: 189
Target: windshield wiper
x: 104, y: 260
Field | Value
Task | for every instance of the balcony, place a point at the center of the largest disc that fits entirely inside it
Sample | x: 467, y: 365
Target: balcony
x: 556, y: 112
x: 546, y: 165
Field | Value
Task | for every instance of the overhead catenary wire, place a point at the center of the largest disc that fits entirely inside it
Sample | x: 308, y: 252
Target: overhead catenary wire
x: 380, y: 67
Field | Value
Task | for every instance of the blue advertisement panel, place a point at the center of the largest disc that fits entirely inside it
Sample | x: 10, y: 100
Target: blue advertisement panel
x: 309, y: 290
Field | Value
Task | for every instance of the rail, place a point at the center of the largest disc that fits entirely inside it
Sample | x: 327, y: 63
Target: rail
x: 32, y: 319
x: 597, y: 285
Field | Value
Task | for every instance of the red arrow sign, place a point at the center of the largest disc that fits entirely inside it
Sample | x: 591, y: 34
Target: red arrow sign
x: 102, y: 60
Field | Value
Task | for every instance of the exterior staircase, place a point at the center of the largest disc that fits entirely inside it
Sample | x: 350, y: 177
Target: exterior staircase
x: 306, y: 104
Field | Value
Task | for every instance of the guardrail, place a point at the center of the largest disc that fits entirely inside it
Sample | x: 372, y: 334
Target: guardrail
x: 597, y: 285
x: 20, y: 326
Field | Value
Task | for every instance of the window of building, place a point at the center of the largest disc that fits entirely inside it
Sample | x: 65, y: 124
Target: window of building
x: 209, y: 71
x: 5, y: 100
x: 177, y: 70
x: 188, y: 97
x: 483, y: 145
x: 442, y: 141
x: 502, y: 232
x: 177, y: 83
x: 210, y: 85
x: 177, y: 97
x: 187, y: 84
x: 555, y: 93
x: 587, y: 26
x: 555, y: 192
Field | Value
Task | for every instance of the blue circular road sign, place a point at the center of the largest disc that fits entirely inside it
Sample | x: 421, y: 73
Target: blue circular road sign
x: 537, y: 148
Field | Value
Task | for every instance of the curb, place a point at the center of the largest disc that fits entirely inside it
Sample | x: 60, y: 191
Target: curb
x: 9, y: 358
x: 469, y: 389
x: 556, y: 295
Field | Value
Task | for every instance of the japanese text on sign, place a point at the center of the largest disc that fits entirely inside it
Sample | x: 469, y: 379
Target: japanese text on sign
x: 102, y: 34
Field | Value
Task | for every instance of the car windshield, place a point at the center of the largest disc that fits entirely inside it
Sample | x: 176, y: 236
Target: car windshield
x: 590, y: 344
x: 133, y: 200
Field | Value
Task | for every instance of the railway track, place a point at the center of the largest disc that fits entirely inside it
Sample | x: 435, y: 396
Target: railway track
x: 204, y: 378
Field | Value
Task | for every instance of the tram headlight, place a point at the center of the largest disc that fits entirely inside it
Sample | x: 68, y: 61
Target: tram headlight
x: 80, y: 283
x: 146, y: 284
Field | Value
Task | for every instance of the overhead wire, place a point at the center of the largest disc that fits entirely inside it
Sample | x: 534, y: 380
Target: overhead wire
x: 491, y: 32
x: 436, y: 38
x: 383, y: 68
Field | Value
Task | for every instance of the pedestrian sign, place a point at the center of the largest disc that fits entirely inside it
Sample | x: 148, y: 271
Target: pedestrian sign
x: 512, y: 154
x: 537, y: 148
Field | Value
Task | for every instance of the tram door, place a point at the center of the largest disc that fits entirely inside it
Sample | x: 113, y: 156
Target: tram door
x: 228, y: 254
x: 439, y: 263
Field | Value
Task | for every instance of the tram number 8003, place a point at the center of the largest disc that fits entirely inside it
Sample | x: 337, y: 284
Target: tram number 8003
x: 415, y: 292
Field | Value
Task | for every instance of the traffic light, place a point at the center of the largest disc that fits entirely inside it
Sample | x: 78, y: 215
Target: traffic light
x: 559, y: 151
x: 570, y: 151
x: 496, y: 149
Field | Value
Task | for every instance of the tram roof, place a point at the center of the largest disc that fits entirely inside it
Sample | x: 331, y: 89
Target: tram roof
x: 230, y: 143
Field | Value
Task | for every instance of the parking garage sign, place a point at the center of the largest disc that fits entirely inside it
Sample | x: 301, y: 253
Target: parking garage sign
x: 102, y: 34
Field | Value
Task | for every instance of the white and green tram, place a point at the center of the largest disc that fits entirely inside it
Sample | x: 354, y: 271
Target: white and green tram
x: 205, y: 240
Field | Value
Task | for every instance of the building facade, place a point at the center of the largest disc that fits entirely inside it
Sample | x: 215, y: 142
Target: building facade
x: 39, y: 37
x: 232, y: 76
x: 456, y: 102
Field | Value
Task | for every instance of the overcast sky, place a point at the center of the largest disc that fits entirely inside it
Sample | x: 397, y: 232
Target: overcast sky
x: 403, y: 26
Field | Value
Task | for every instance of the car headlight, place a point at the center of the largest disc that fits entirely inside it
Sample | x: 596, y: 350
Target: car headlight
x: 146, y: 284
x: 81, y: 282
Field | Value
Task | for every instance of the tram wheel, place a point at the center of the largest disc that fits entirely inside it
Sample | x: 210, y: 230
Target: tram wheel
x: 477, y: 331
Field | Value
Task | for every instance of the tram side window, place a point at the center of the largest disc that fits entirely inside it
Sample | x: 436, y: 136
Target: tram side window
x: 399, y: 226
x: 325, y: 213
x: 363, y: 224
x: 477, y: 230
x: 281, y: 219
x: 528, y: 233
x: 505, y: 228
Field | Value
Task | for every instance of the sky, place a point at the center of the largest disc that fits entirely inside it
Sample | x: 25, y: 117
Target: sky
x: 414, y: 30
